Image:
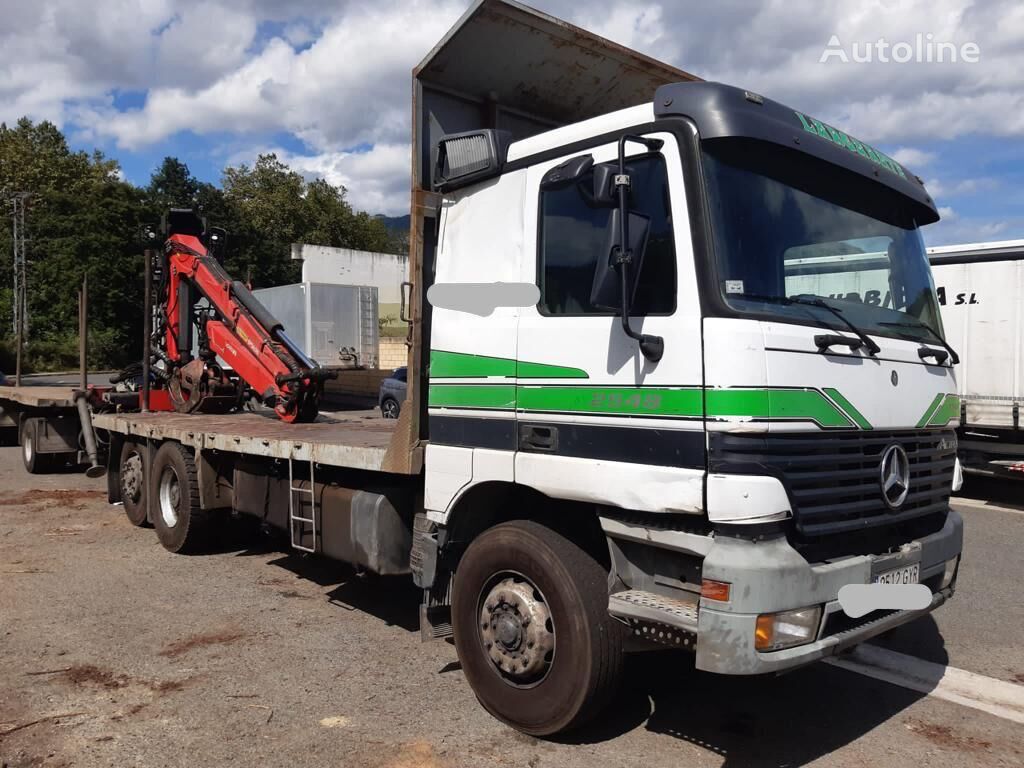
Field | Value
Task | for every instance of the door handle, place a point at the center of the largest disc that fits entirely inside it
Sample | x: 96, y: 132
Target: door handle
x: 537, y: 438
x: 825, y: 340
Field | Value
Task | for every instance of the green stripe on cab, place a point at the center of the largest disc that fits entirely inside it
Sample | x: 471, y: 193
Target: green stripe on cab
x: 497, y: 396
x: 847, y: 406
x: 458, y: 365
x: 625, y: 401
x: 783, y: 404
x: 949, y: 410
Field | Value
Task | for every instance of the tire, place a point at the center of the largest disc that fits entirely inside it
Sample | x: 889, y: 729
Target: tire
x: 390, y: 408
x: 583, y: 660
x: 181, y: 525
x: 35, y: 463
x: 133, y: 482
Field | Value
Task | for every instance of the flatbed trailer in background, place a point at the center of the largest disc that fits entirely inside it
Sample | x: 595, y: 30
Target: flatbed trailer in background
x: 48, y: 426
x: 54, y: 424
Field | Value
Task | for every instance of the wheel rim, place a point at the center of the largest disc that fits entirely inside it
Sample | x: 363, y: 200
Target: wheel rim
x: 131, y: 477
x: 170, y: 497
x: 390, y: 409
x: 27, y: 447
x: 516, y: 629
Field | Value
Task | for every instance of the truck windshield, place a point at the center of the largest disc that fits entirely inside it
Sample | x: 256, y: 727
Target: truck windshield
x: 788, y: 226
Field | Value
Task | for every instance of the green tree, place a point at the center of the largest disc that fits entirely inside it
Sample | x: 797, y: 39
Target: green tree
x: 274, y: 206
x: 82, y: 218
x: 268, y: 204
x: 172, y: 185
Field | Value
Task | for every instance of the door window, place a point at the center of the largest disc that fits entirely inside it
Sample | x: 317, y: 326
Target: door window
x: 574, y: 235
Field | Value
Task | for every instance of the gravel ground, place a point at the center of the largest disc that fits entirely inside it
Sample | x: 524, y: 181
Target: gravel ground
x: 115, y: 652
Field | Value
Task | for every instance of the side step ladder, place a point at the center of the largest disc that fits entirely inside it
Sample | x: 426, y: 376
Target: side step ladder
x: 657, y: 618
x: 296, y: 522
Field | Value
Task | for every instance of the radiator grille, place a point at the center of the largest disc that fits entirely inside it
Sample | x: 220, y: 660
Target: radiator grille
x: 833, y: 479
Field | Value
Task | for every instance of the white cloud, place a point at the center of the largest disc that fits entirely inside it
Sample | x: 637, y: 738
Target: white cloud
x: 938, y: 188
x: 377, y: 180
x: 206, y: 68
x: 350, y: 87
x: 913, y: 158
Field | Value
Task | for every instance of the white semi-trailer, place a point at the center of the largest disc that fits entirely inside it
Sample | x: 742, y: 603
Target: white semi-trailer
x: 981, y: 289
x: 651, y: 435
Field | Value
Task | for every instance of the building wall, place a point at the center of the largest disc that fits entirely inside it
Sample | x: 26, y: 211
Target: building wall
x: 393, y: 353
x: 345, y: 266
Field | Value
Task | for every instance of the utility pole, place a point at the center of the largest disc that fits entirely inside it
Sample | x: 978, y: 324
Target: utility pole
x: 19, y: 201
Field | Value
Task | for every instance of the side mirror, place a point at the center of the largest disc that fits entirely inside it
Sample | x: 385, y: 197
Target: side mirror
x: 606, y: 290
x: 567, y: 173
x: 604, y: 184
x: 623, y: 254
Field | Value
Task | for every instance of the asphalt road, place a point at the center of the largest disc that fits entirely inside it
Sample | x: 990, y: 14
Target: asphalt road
x: 115, y: 652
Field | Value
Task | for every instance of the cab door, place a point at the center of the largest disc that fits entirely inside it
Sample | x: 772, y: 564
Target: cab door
x: 596, y: 420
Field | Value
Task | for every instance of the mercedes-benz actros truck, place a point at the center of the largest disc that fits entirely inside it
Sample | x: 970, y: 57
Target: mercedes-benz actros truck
x: 632, y: 420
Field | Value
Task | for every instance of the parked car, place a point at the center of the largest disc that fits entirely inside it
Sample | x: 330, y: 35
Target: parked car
x: 392, y: 394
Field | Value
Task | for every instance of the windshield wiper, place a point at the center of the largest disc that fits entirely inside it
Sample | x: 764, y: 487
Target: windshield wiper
x: 814, y: 301
x: 935, y: 334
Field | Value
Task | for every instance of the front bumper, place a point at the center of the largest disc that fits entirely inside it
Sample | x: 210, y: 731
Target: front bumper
x: 770, y: 576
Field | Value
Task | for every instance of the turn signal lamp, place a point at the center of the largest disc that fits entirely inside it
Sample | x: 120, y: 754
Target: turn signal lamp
x: 715, y: 590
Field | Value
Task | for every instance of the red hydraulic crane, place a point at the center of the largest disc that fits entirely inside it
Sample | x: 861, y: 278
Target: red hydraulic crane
x: 232, y: 325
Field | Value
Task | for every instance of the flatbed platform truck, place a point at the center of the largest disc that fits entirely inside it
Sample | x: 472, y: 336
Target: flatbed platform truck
x: 649, y: 438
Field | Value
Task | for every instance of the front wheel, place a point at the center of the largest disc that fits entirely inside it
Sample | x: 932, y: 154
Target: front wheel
x: 532, y: 630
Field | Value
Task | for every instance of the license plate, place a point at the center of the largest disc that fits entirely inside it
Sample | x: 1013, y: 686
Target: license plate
x: 908, y: 574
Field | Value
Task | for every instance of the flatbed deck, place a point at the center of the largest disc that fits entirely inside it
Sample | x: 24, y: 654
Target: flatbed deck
x: 40, y: 397
x: 355, y: 439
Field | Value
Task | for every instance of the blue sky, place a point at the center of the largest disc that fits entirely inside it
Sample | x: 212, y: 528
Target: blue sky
x: 325, y: 83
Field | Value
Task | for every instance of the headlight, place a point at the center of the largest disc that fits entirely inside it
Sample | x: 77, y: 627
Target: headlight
x: 949, y: 573
x: 786, y: 629
x: 958, y: 476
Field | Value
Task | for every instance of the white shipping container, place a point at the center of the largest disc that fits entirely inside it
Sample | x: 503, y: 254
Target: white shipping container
x: 335, y: 325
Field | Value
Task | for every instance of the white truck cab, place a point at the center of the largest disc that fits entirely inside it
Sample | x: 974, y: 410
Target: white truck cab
x: 748, y: 444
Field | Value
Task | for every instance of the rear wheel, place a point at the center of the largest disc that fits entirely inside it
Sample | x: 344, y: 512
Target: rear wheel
x: 181, y: 525
x: 35, y: 463
x: 530, y: 614
x: 133, y: 482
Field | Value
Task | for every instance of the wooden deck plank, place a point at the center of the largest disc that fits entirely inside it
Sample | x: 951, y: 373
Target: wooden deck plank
x: 353, y: 440
x: 40, y: 397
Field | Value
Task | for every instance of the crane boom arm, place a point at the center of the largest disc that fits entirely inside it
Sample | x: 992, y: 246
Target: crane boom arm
x: 237, y: 329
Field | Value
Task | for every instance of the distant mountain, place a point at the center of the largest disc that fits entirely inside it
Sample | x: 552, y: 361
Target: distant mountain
x: 395, y: 224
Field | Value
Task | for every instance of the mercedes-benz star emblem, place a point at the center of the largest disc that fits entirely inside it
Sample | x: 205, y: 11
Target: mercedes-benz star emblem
x: 894, y: 476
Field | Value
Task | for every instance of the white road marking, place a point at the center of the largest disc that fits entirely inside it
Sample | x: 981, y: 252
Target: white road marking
x: 987, y: 694
x: 958, y: 502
